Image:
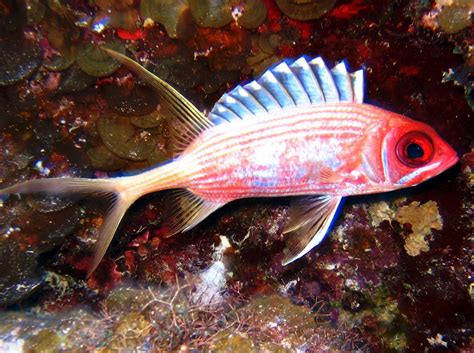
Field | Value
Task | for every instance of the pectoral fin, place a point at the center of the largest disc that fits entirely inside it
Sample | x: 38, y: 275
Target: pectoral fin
x: 311, y: 218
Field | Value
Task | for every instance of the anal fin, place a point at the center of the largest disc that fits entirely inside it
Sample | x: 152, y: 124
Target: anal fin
x: 188, y: 210
x: 311, y: 218
x: 118, y: 206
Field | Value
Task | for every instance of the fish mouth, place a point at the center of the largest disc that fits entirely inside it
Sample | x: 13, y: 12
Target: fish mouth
x: 452, y: 160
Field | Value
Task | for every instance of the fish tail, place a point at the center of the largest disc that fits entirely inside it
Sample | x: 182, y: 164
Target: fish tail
x: 60, y: 186
x: 120, y: 193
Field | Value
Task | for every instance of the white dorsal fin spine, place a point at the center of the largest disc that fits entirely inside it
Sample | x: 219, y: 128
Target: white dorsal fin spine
x: 225, y: 112
x: 216, y: 119
x: 284, y: 86
x: 306, y: 76
x: 357, y: 79
x: 292, y: 84
x: 343, y: 82
x: 276, y: 89
x: 247, y: 99
x: 325, y: 79
x: 235, y: 105
x: 263, y: 96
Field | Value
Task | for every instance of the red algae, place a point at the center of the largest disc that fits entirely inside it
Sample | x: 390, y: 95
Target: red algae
x: 346, y: 11
x: 127, y: 35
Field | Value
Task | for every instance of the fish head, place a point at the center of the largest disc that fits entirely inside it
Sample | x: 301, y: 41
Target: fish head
x: 413, y: 152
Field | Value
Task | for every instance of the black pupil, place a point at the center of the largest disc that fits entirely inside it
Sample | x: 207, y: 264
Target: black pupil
x: 414, y: 151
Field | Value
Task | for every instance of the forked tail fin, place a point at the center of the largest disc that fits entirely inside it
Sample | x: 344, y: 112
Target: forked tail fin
x: 120, y: 192
x: 62, y: 186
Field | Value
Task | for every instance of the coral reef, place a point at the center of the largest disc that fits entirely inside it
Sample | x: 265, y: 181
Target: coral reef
x: 171, y: 319
x: 394, y: 273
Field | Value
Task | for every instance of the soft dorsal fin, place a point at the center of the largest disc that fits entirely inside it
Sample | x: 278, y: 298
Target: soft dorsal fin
x: 310, y: 220
x: 286, y: 86
x: 188, y: 210
x: 191, y: 121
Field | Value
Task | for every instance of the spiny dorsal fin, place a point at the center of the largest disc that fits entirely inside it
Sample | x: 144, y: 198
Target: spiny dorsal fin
x: 188, y: 210
x: 285, y: 86
x: 192, y: 121
x: 310, y: 220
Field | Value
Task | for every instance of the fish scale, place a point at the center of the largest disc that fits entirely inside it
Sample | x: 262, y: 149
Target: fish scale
x: 340, y: 117
x: 301, y: 130
x: 208, y: 162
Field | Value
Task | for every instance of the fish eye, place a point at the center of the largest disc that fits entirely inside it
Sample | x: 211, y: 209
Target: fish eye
x: 415, y: 149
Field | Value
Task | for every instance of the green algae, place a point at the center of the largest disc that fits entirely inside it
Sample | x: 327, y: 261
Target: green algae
x: 74, y: 80
x: 95, y: 62
x: 45, y: 341
x: 122, y: 138
x: 455, y: 18
x: 275, y: 324
x: 130, y: 331
x: 169, y: 319
x: 252, y: 13
x: 148, y: 121
x: 391, y: 325
x: 125, y: 299
x: 305, y: 10
x: 103, y: 159
x: 169, y: 13
x: 461, y: 75
x: 66, y: 331
x: 20, y: 57
x: 61, y: 60
x: 277, y: 311
x: 211, y: 13
x: 286, y: 324
x: 228, y: 342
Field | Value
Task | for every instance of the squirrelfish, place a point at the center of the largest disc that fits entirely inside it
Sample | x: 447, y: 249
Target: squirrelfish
x: 298, y: 130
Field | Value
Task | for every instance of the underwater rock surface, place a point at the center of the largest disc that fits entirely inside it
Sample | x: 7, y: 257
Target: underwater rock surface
x: 394, y: 274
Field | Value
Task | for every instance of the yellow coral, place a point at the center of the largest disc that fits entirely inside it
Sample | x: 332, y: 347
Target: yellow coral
x: 422, y: 218
x: 379, y: 212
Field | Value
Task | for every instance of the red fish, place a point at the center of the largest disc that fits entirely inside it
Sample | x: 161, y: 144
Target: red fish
x: 299, y: 130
